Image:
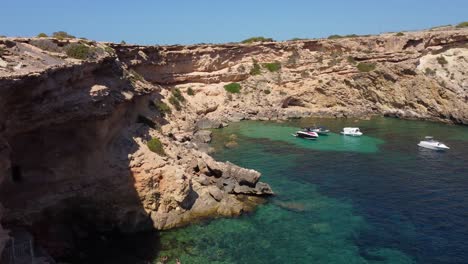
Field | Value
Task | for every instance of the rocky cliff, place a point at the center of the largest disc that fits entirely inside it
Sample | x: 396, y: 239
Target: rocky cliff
x: 77, y: 116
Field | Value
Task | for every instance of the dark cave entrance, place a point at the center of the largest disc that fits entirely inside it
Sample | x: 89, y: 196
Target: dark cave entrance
x: 16, y: 175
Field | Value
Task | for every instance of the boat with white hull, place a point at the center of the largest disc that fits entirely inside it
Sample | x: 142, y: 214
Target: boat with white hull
x: 306, y: 134
x: 351, y: 131
x: 431, y: 143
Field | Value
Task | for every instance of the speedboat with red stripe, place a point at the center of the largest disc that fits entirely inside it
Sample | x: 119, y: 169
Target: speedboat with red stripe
x: 307, y: 134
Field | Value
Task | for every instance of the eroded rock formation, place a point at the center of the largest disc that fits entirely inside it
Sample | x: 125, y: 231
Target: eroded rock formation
x: 74, y: 132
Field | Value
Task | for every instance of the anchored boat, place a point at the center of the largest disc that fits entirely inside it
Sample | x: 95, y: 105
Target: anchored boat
x: 306, y: 134
x: 351, y: 131
x: 431, y: 143
x: 320, y: 130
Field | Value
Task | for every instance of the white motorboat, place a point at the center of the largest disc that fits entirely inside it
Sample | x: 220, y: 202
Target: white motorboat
x: 320, y: 130
x: 431, y: 143
x: 306, y: 134
x: 351, y: 131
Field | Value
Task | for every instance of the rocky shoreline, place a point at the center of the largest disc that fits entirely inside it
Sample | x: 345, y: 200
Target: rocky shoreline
x: 117, y: 140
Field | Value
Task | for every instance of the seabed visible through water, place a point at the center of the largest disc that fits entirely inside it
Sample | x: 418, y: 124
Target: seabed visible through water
x: 374, y: 199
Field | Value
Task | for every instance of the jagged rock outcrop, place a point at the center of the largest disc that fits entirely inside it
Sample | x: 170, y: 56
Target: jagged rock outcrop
x: 74, y: 151
x: 74, y: 132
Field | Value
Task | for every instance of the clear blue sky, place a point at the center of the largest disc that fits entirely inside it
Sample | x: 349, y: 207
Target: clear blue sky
x: 214, y: 21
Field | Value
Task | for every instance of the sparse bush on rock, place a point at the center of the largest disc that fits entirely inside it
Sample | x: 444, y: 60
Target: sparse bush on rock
x: 399, y: 34
x: 156, y: 146
x: 256, y: 39
x: 62, y: 35
x: 42, y: 35
x: 272, y: 67
x: 178, y: 95
x: 256, y: 70
x: 430, y: 72
x: 190, y: 91
x: 162, y: 108
x: 442, y: 61
x: 175, y: 102
x: 462, y: 24
x: 351, y: 60
x: 78, y: 51
x: 232, y: 87
x: 366, y: 67
x: 266, y: 91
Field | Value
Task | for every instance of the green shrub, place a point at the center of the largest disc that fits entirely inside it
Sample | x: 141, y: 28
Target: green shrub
x: 462, y: 24
x: 175, y: 102
x: 399, y: 34
x: 345, y: 36
x: 123, y: 42
x: 78, y: 51
x: 42, y: 35
x: 178, y: 95
x: 156, y: 146
x: 442, y: 61
x: 366, y: 67
x: 351, y: 60
x: 430, y: 72
x: 267, y: 91
x: 62, y: 35
x: 335, y: 37
x: 294, y: 39
x: 190, y: 91
x: 272, y: 67
x: 162, y: 108
x: 232, y: 87
x: 256, y: 70
x: 257, y: 39
x: 2, y: 50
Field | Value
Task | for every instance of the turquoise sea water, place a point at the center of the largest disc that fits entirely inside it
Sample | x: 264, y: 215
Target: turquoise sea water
x: 374, y: 199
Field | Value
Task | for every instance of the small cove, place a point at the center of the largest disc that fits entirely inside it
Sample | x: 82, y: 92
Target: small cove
x: 375, y: 199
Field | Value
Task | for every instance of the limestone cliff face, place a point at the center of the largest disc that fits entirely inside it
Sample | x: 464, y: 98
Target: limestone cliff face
x: 74, y: 153
x: 74, y: 132
x: 420, y: 75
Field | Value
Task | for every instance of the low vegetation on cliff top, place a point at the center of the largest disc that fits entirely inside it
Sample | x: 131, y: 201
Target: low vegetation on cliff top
x: 62, y: 35
x: 346, y: 36
x: 78, y: 51
x: 156, y: 146
x: 257, y: 39
x: 232, y: 88
x: 462, y: 24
